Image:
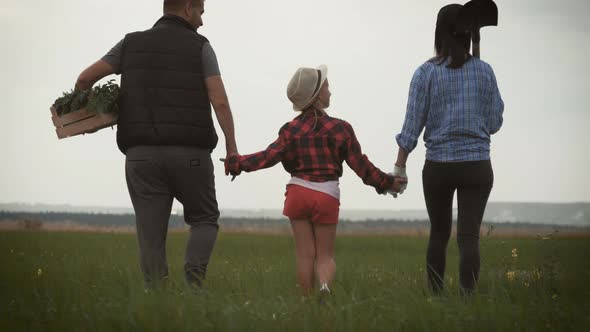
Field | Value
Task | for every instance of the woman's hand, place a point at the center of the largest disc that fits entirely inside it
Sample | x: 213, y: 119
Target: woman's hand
x: 400, y: 172
x: 399, y: 184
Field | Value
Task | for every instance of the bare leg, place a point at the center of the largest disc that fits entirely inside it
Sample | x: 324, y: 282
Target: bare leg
x: 324, y: 243
x: 305, y: 253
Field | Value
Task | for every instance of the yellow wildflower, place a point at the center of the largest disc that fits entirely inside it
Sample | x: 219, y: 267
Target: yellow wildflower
x: 514, y: 253
x: 511, y: 275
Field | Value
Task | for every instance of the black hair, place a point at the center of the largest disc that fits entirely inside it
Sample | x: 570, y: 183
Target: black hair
x: 176, y: 5
x: 450, y: 41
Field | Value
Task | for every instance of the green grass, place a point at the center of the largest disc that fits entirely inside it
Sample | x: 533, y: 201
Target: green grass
x: 92, y: 282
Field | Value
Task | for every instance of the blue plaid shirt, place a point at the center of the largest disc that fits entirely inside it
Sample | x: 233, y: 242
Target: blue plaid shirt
x: 460, y: 109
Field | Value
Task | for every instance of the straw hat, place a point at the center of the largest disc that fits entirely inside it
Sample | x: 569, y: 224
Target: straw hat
x: 305, y: 86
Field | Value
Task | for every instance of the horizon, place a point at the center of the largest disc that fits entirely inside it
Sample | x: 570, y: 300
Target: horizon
x: 273, y: 208
x: 574, y: 214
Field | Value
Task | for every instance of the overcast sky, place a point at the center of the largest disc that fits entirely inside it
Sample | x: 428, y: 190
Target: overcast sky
x: 371, y: 48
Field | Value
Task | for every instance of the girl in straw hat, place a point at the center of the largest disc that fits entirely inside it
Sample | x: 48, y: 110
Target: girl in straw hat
x: 312, y: 148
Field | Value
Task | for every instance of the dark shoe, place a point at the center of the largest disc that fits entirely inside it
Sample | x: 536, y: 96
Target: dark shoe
x: 467, y: 292
x: 195, y: 275
x: 194, y: 280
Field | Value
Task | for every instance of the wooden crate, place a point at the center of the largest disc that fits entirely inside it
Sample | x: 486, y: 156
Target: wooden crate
x: 81, y: 122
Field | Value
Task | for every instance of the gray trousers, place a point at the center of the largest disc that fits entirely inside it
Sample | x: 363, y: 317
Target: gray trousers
x: 155, y: 176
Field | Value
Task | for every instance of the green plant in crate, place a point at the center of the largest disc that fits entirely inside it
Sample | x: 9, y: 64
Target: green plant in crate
x: 101, y: 99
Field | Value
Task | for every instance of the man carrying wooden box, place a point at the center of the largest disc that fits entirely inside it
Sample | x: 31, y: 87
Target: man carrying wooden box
x: 169, y: 80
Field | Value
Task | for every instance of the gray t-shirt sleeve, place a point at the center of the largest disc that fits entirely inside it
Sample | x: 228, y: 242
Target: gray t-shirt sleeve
x: 209, y: 61
x: 113, y: 57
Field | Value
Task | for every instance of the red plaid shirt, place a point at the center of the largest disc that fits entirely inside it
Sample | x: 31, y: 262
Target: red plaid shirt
x: 314, y: 149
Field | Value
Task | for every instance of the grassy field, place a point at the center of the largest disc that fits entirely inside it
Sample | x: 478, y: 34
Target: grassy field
x: 91, y: 282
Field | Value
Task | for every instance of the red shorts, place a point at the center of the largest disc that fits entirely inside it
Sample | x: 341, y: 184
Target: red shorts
x: 304, y: 203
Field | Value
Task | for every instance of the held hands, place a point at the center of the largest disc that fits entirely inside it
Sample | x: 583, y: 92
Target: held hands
x: 396, y: 188
x: 399, y: 184
x: 232, y: 165
x: 400, y: 172
x: 400, y: 181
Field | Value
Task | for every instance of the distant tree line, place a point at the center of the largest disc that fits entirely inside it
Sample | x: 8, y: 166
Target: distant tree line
x: 36, y: 220
x: 94, y: 219
x: 102, y: 219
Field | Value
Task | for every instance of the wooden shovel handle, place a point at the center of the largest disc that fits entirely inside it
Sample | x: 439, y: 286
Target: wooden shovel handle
x: 476, y: 50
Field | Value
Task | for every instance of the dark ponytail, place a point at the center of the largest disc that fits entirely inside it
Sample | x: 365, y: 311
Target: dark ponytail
x: 448, y: 42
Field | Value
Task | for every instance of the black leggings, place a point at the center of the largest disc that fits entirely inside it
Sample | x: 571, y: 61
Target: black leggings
x: 473, y: 181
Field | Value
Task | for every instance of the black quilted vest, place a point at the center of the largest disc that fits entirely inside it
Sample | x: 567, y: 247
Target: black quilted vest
x: 163, y: 97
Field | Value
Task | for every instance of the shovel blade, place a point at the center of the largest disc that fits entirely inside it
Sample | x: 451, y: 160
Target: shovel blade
x: 479, y: 13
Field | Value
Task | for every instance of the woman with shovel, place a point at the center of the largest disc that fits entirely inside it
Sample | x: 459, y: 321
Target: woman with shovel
x: 454, y: 97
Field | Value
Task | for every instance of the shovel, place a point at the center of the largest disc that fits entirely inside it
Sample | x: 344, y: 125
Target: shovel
x: 474, y: 15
